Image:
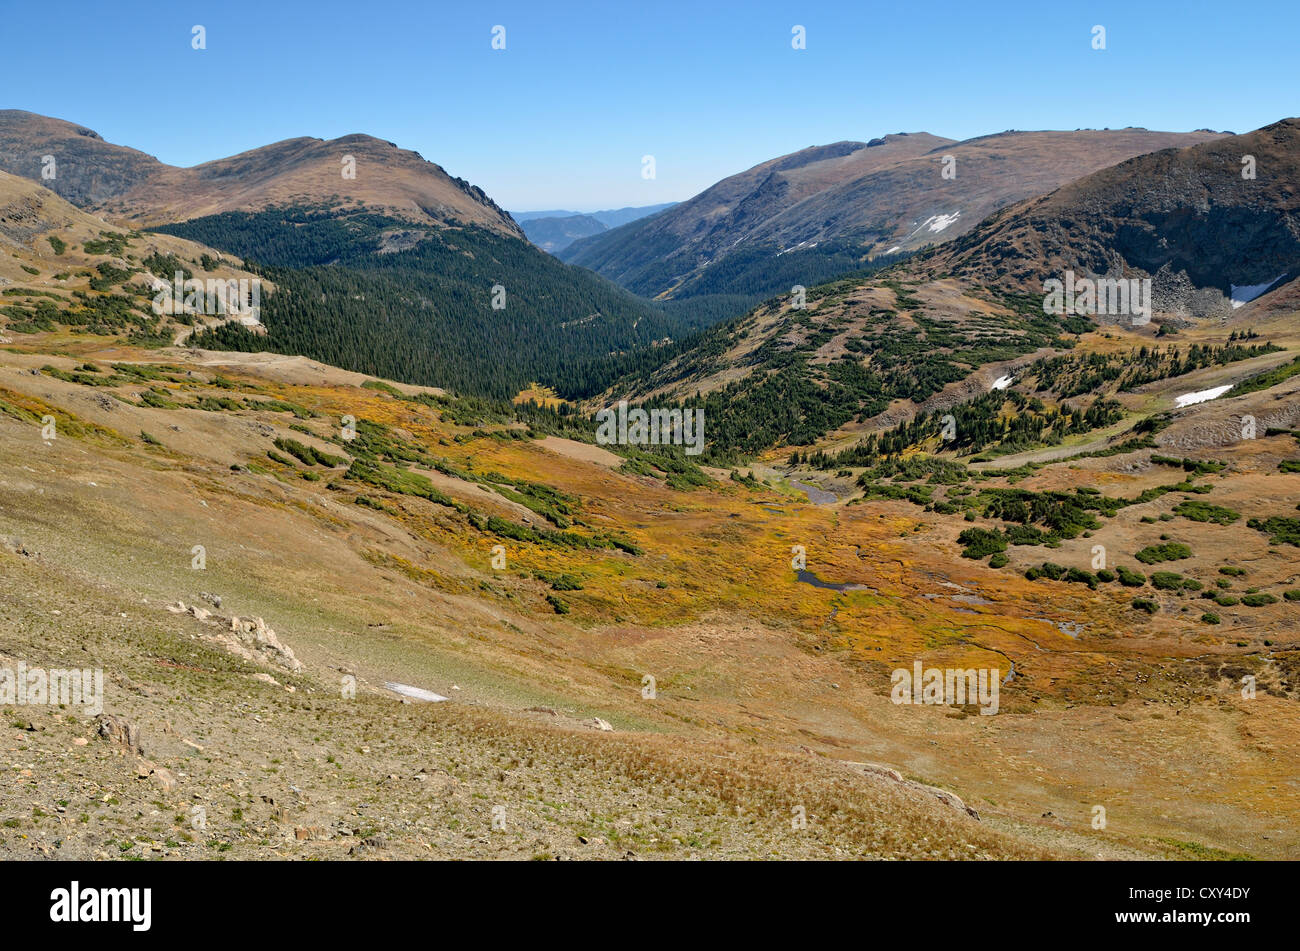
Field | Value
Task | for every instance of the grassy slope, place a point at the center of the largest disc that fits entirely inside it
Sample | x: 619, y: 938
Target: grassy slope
x: 752, y: 668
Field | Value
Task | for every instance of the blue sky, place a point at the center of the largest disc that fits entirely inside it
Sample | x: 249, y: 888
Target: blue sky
x: 562, y: 117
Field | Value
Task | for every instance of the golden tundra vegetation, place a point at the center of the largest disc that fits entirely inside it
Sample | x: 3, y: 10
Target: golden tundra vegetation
x: 372, y: 558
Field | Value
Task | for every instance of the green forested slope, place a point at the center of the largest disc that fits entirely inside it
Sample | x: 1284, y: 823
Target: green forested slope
x: 424, y: 313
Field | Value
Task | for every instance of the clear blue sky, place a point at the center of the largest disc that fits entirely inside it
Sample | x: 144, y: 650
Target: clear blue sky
x: 562, y: 116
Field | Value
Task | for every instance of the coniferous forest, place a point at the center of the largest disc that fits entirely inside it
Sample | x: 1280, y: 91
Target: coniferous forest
x: 424, y: 314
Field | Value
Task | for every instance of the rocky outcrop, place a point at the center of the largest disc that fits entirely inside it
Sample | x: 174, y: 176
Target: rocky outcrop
x: 951, y: 800
x: 250, y: 638
x: 120, y: 732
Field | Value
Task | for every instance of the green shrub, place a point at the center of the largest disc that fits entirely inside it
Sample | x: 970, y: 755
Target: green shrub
x: 980, y: 542
x: 1170, y: 551
x: 109, y: 274
x: 1258, y: 600
x: 308, y: 455
x: 1282, y: 530
x: 107, y: 243
x: 1205, y: 512
x: 1209, y: 617
x: 158, y: 399
x: 560, y: 582
x: 1080, y: 576
x: 1130, y: 578
x: 165, y: 266
x: 1145, y: 604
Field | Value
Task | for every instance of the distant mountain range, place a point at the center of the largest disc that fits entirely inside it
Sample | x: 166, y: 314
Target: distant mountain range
x: 554, y: 231
x: 610, y: 218
x: 806, y: 217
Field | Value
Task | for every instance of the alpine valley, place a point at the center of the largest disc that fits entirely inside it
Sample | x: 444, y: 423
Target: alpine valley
x: 357, y: 569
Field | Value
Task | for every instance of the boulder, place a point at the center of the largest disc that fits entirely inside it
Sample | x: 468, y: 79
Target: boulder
x: 121, y: 732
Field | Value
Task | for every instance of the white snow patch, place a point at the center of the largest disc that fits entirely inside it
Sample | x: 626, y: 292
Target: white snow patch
x: 1243, y: 294
x: 801, y: 244
x: 1201, y: 396
x: 897, y: 247
x: 936, y: 223
x: 1002, y: 382
x: 415, y: 693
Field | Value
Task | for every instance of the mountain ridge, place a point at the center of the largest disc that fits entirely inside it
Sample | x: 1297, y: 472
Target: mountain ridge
x: 856, y: 201
x: 143, y: 191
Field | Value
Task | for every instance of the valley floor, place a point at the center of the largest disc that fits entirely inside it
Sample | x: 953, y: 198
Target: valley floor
x: 768, y: 694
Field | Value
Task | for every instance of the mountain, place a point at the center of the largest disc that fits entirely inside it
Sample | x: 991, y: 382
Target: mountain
x: 401, y: 271
x: 86, y: 170
x: 615, y: 217
x: 128, y: 185
x: 1208, y: 236
x: 524, y: 216
x: 466, y: 308
x: 807, y: 217
x: 62, y: 266
x: 938, y: 330
x: 349, y: 529
x: 610, y: 218
x: 555, y: 234
x: 555, y: 231
x: 648, y: 629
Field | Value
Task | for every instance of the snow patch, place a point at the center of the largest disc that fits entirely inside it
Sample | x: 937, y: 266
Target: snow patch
x: 936, y: 223
x: 1002, y: 382
x: 801, y: 244
x: 1201, y: 396
x: 415, y: 693
x: 1243, y: 294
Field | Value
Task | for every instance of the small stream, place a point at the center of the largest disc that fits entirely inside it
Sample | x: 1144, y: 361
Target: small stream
x: 815, y: 495
x: 807, y: 577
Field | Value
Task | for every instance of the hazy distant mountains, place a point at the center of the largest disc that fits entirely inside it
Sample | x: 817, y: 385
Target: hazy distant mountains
x: 555, y: 230
x: 805, y: 217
